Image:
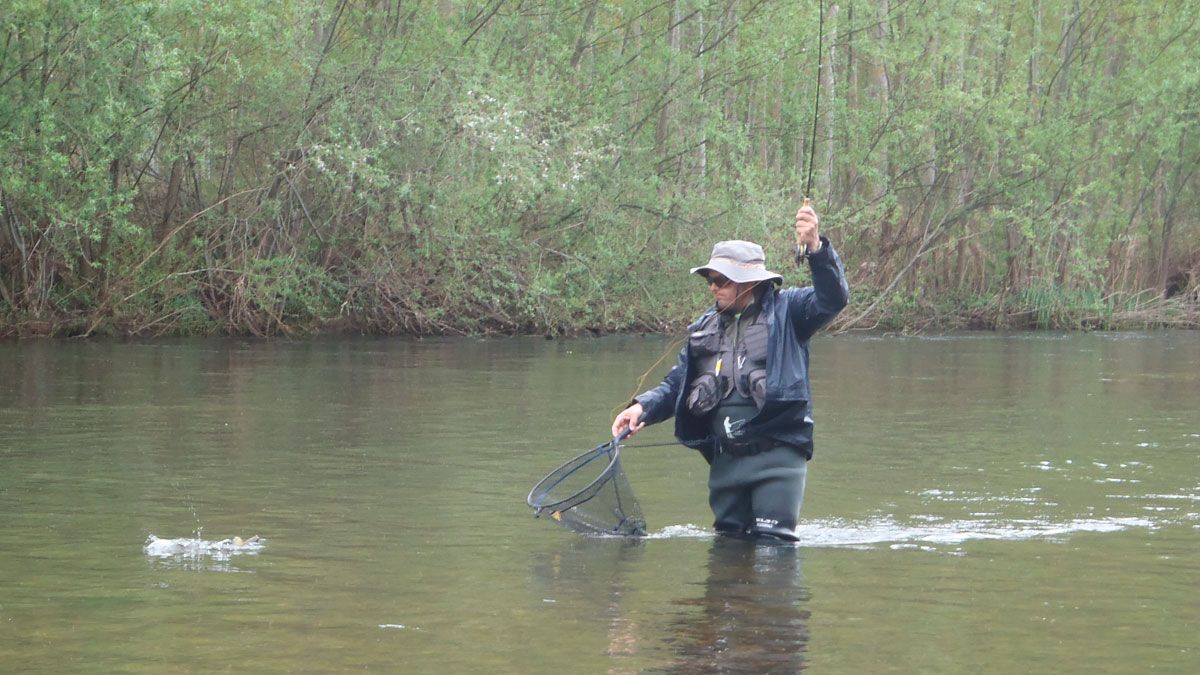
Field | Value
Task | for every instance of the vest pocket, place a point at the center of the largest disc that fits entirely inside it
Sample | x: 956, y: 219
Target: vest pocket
x: 705, y: 342
x: 704, y: 395
x: 758, y: 386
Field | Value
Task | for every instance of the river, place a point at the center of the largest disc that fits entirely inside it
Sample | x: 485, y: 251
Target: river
x: 977, y: 503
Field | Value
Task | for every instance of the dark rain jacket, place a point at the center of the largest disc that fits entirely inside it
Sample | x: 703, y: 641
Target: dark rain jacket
x: 793, y: 316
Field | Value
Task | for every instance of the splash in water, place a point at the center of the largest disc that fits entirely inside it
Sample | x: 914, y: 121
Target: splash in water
x: 929, y: 536
x: 196, y: 549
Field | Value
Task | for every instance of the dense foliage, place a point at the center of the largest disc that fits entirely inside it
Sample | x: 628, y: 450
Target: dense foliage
x: 284, y: 166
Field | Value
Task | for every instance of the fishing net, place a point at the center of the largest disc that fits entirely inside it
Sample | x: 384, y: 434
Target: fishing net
x: 591, y: 495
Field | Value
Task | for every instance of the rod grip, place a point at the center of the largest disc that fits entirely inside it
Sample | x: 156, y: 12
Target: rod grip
x: 803, y: 247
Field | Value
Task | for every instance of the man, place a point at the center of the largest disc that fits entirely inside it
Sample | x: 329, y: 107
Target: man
x: 739, y: 391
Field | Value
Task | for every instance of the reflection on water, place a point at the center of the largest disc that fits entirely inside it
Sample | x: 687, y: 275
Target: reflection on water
x: 753, y: 616
x: 594, y: 572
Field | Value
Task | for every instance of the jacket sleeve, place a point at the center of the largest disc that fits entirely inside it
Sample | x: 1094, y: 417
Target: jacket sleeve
x: 812, y: 308
x: 658, y: 403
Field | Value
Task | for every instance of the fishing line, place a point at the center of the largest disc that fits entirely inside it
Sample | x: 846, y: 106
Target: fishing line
x: 672, y: 348
x: 812, y: 154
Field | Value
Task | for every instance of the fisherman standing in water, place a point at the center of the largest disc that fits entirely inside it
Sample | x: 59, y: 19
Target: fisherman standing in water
x: 739, y: 391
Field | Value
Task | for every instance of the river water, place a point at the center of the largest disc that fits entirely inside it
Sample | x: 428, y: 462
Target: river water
x: 977, y: 503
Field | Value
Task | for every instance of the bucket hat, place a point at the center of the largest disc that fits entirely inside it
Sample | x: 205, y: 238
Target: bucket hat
x: 739, y: 261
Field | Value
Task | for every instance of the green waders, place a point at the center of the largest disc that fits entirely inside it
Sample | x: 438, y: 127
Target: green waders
x: 757, y: 490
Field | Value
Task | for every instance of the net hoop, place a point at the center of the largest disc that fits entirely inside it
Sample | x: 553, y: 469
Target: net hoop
x: 543, y: 487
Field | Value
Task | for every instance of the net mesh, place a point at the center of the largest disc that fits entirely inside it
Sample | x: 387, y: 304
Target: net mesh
x: 591, y: 495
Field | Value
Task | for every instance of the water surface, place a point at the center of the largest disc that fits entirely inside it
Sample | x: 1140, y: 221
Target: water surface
x: 977, y: 503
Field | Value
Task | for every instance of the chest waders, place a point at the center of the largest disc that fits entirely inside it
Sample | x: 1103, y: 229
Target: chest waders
x: 755, y: 485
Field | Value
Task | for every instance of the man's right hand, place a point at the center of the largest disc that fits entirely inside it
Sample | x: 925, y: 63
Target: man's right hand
x: 630, y: 418
x: 807, y: 234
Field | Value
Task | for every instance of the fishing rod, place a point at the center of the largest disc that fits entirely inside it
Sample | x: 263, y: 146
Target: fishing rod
x: 812, y: 145
x: 812, y: 154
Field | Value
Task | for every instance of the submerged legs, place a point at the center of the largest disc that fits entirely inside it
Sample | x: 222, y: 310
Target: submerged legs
x: 758, y: 495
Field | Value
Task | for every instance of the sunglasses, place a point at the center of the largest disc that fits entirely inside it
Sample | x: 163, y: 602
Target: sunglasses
x: 718, y: 280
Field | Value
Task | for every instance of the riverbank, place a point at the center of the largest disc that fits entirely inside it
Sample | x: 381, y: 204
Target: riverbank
x: 362, y: 172
x: 866, y: 312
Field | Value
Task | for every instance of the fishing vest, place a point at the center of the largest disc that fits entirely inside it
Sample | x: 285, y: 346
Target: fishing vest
x: 730, y: 354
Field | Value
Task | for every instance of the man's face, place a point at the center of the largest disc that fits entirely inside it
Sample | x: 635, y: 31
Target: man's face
x: 727, y: 294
